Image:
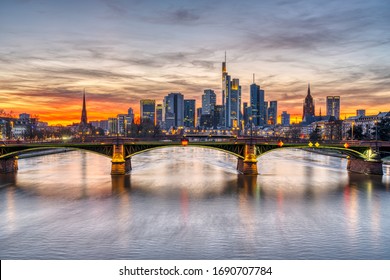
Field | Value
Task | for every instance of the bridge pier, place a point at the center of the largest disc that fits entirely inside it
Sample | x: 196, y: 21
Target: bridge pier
x: 9, y: 165
x: 248, y: 165
x: 119, y: 165
x: 374, y: 167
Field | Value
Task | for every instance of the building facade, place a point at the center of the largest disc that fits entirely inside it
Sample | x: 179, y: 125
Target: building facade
x: 173, y: 110
x: 189, y: 112
x: 148, y: 110
x: 285, y: 118
x: 209, y: 99
x: 257, y: 105
x: 273, y: 113
x: 333, y: 106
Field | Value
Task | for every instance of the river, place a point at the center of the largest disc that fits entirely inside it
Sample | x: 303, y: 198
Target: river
x: 190, y: 203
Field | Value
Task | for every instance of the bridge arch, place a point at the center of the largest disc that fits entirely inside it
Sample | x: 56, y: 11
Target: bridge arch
x: 348, y: 152
x: 216, y: 148
x: 48, y: 148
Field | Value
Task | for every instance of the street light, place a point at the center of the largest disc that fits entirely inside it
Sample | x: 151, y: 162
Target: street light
x: 376, y: 136
x: 251, y: 124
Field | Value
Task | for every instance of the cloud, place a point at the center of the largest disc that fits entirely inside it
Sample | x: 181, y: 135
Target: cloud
x: 184, y: 15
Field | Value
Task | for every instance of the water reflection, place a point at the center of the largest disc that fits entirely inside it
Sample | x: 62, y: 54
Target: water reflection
x: 191, y: 203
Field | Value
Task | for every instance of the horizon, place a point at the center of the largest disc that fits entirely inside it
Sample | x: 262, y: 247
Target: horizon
x: 122, y: 52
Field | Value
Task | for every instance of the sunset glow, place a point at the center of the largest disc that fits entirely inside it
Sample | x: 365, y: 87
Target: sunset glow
x: 124, y: 51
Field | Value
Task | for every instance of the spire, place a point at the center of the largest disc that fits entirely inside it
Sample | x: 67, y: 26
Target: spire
x: 253, y: 77
x: 84, y: 112
x: 224, y: 65
x: 308, y: 89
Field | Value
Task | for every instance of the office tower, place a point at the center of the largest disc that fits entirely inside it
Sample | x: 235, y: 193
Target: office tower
x: 198, y: 115
x: 257, y: 104
x: 173, y: 110
x: 233, y: 104
x: 245, y: 111
x: 285, y: 119
x: 189, y: 112
x: 148, y: 109
x: 224, y: 81
x: 209, y: 99
x: 218, y: 116
x: 122, y: 120
x: 333, y: 106
x: 113, y: 126
x: 159, y: 114
x: 308, y: 106
x: 361, y: 112
x: 264, y: 114
x: 273, y: 113
x: 130, y: 112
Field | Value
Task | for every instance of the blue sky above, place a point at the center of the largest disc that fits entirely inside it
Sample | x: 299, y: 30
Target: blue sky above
x: 124, y: 51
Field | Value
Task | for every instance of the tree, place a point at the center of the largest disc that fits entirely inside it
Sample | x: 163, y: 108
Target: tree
x: 315, y: 135
x: 382, y: 129
x: 357, y: 133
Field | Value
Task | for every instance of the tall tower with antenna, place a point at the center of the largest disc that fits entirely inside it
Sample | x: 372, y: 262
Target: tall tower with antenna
x: 225, y: 91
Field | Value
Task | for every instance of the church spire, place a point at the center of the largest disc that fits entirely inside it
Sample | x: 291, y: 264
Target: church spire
x: 84, y: 113
x: 308, y: 106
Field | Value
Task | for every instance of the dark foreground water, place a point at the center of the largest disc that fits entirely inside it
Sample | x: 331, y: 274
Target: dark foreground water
x: 190, y: 203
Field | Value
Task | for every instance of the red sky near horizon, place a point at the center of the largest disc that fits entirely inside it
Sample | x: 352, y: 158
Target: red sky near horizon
x: 123, y: 52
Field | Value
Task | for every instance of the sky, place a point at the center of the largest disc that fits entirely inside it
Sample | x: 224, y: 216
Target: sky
x: 123, y: 51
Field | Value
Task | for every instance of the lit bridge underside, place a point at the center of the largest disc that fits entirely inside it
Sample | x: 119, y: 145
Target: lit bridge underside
x: 121, y: 152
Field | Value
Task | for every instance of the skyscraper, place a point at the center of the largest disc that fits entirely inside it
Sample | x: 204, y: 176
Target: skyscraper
x: 333, y: 106
x: 159, y: 114
x: 257, y: 104
x: 173, y: 110
x: 308, y: 106
x: 226, y: 91
x: 273, y: 113
x: 233, y: 105
x: 189, y: 113
x: 209, y: 99
x: 285, y: 119
x: 148, y: 110
x: 231, y: 95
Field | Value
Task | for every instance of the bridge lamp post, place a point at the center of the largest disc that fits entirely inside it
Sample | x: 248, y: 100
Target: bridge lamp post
x: 376, y: 135
x: 251, y: 124
x: 353, y: 124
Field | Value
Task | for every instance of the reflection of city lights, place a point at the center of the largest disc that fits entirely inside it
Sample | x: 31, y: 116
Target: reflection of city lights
x: 184, y: 142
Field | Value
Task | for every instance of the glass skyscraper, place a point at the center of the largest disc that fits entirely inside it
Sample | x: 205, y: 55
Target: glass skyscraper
x: 209, y: 99
x: 257, y: 105
x: 173, y: 110
x: 333, y: 106
x: 148, y: 110
x: 189, y: 112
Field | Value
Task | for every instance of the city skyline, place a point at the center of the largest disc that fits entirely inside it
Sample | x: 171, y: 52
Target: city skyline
x: 122, y: 53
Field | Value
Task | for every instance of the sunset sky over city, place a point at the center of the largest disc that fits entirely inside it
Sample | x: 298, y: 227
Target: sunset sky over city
x: 123, y: 51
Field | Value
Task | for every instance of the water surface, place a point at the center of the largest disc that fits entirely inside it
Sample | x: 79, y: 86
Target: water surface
x: 190, y: 203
